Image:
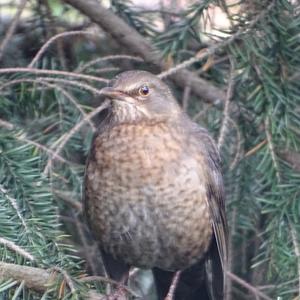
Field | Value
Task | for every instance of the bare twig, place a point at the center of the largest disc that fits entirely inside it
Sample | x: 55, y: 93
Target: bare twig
x: 53, y: 39
x: 272, y: 150
x: 106, y: 58
x: 6, y: 124
x: 52, y: 72
x: 186, y: 97
x: 171, y: 292
x: 202, y: 113
x: 254, y: 290
x: 53, y: 86
x: 65, y: 138
x: 71, y: 99
x: 104, y: 70
x: 255, y: 148
x: 22, y: 137
x: 229, y: 94
x: 15, y: 205
x: 74, y: 83
x: 12, y: 246
x: 12, y: 27
x: 238, y: 145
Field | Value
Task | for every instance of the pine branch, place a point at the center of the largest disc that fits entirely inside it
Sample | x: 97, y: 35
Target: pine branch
x: 35, y: 278
x: 255, y: 291
x: 41, y: 280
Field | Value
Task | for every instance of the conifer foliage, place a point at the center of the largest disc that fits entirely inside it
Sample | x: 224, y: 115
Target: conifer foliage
x: 240, y: 78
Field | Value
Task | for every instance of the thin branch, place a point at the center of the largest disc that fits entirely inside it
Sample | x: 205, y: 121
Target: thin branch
x: 254, y: 290
x: 202, y: 112
x: 12, y: 27
x: 104, y: 70
x: 74, y: 83
x: 52, y: 72
x: 65, y: 138
x: 106, y: 58
x: 14, y: 204
x: 272, y: 150
x: 173, y: 286
x: 255, y: 148
x: 12, y: 246
x: 70, y: 98
x: 22, y: 137
x: 53, y: 39
x: 186, y: 97
x: 6, y: 124
x: 52, y: 86
x: 229, y: 94
x: 238, y: 146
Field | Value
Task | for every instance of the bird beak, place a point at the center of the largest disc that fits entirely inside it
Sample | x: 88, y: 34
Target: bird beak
x: 112, y: 93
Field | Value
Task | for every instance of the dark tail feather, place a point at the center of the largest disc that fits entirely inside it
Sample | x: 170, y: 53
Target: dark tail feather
x: 115, y: 269
x: 215, y: 273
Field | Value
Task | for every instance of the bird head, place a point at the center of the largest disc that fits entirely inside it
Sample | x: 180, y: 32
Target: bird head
x: 140, y: 95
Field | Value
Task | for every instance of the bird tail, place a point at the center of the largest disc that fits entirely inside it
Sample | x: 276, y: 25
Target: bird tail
x: 215, y: 279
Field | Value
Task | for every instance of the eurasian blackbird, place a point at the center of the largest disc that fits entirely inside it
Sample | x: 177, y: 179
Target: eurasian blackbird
x: 154, y: 194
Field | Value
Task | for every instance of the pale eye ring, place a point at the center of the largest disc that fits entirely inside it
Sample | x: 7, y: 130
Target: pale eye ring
x: 144, y: 90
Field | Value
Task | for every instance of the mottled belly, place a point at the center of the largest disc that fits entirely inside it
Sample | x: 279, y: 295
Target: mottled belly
x: 149, y: 205
x: 166, y: 226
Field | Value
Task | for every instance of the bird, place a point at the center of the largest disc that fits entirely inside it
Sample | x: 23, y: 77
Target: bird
x: 153, y: 190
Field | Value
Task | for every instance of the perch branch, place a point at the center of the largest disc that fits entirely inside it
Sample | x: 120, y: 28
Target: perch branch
x: 34, y: 278
x: 254, y: 290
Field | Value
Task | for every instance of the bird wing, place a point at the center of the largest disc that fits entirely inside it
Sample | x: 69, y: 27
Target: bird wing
x: 215, y: 197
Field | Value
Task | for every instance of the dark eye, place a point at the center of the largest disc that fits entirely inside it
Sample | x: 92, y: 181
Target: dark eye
x: 144, y: 90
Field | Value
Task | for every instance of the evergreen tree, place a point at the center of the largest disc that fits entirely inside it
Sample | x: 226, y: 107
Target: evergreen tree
x: 241, y: 80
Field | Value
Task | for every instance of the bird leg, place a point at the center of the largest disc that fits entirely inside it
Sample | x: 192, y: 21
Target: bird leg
x: 173, y: 286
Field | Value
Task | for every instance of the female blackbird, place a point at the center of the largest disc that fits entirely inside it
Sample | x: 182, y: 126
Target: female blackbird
x: 153, y: 190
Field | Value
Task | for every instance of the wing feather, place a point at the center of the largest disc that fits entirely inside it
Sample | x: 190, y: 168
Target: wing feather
x: 215, y: 197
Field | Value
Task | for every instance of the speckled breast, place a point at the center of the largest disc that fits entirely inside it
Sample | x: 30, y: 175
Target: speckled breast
x: 145, y: 200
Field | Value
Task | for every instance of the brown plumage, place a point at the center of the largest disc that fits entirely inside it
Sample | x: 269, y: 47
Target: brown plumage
x: 153, y: 189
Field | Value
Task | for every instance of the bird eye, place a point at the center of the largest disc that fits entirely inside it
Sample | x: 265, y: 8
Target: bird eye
x: 144, y: 90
